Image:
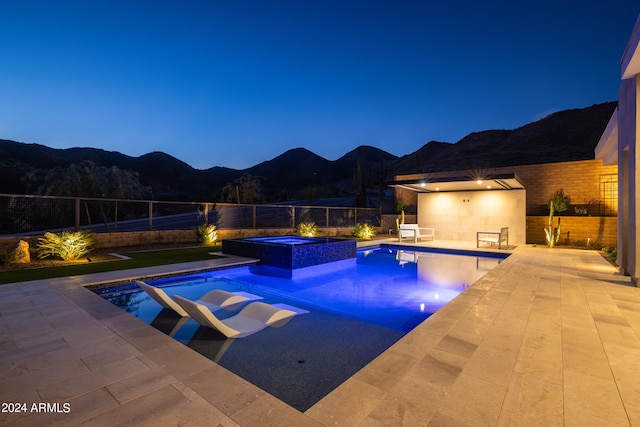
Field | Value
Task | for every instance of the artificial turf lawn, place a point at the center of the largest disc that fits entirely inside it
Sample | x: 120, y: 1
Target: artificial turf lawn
x: 138, y: 260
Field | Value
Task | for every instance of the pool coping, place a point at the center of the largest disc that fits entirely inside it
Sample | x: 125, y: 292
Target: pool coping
x: 71, y: 326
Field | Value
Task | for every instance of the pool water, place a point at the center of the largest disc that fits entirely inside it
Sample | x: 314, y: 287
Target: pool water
x: 358, y: 308
x: 287, y: 240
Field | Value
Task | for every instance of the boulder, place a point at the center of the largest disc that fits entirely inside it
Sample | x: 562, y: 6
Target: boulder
x: 21, y: 253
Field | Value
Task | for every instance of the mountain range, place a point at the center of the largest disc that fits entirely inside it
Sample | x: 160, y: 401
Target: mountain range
x: 301, y: 174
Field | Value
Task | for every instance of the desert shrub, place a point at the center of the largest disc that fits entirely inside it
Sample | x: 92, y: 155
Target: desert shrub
x: 307, y: 229
x: 560, y: 201
x: 7, y: 256
x: 207, y: 234
x: 363, y: 231
x: 595, y: 245
x: 610, y: 253
x: 398, y: 205
x: 68, y: 245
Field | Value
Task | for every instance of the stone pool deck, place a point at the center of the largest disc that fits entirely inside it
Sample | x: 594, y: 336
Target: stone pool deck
x: 547, y: 338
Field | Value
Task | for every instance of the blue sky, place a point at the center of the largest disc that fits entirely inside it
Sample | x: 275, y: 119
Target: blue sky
x: 235, y: 83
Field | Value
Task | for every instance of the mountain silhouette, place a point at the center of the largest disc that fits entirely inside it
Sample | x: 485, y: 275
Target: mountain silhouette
x: 560, y: 137
x: 301, y: 174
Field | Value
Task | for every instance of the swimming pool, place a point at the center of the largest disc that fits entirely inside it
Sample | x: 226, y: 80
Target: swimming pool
x: 358, y: 308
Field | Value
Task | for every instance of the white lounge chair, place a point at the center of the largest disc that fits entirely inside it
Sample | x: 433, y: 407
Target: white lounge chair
x: 251, y: 319
x: 214, y: 300
x: 415, y: 232
x: 493, y: 237
x: 406, y: 257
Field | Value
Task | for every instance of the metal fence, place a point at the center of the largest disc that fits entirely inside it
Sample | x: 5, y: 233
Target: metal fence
x: 32, y: 214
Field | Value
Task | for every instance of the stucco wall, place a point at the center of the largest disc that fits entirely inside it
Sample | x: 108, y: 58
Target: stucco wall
x: 628, y: 153
x: 460, y: 215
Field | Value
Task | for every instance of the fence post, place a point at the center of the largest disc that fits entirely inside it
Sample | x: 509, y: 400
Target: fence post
x: 77, y: 213
x: 253, y: 211
x: 150, y: 216
x: 355, y: 215
x: 327, y: 217
x: 293, y: 217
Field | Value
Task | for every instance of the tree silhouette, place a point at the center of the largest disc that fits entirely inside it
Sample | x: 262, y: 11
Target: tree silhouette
x: 86, y: 179
x: 246, y: 189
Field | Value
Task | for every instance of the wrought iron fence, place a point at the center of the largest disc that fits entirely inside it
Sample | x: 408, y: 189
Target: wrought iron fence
x: 33, y: 214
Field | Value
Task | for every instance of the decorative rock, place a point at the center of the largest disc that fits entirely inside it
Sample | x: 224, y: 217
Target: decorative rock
x: 21, y: 253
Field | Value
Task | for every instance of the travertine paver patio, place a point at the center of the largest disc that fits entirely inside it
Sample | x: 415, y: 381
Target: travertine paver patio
x: 549, y: 337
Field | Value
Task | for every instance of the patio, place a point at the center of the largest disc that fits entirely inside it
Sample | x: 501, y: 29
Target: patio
x: 549, y: 337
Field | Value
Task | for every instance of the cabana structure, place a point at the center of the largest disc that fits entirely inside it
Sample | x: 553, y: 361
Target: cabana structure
x: 458, y: 207
x: 459, y: 204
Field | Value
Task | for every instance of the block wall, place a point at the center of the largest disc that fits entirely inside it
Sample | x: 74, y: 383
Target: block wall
x: 579, y: 180
x: 111, y: 240
x: 575, y: 229
x: 140, y: 238
x: 409, y: 198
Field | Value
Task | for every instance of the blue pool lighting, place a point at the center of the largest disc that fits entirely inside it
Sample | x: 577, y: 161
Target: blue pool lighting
x: 357, y: 309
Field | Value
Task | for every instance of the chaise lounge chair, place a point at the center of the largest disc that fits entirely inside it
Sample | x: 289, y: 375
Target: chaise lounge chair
x: 251, y: 319
x: 214, y: 300
x: 493, y: 237
x: 415, y: 232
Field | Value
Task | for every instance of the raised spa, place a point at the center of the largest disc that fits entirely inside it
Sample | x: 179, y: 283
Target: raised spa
x: 291, y: 252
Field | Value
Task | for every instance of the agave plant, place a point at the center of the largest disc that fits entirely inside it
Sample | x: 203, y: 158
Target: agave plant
x: 307, y: 229
x: 207, y: 234
x: 363, y: 231
x: 68, y: 245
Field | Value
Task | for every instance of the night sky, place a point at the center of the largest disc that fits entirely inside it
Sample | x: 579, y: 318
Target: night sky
x: 235, y: 83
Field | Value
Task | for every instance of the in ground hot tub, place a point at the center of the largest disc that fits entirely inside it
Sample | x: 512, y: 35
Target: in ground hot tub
x: 291, y: 251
